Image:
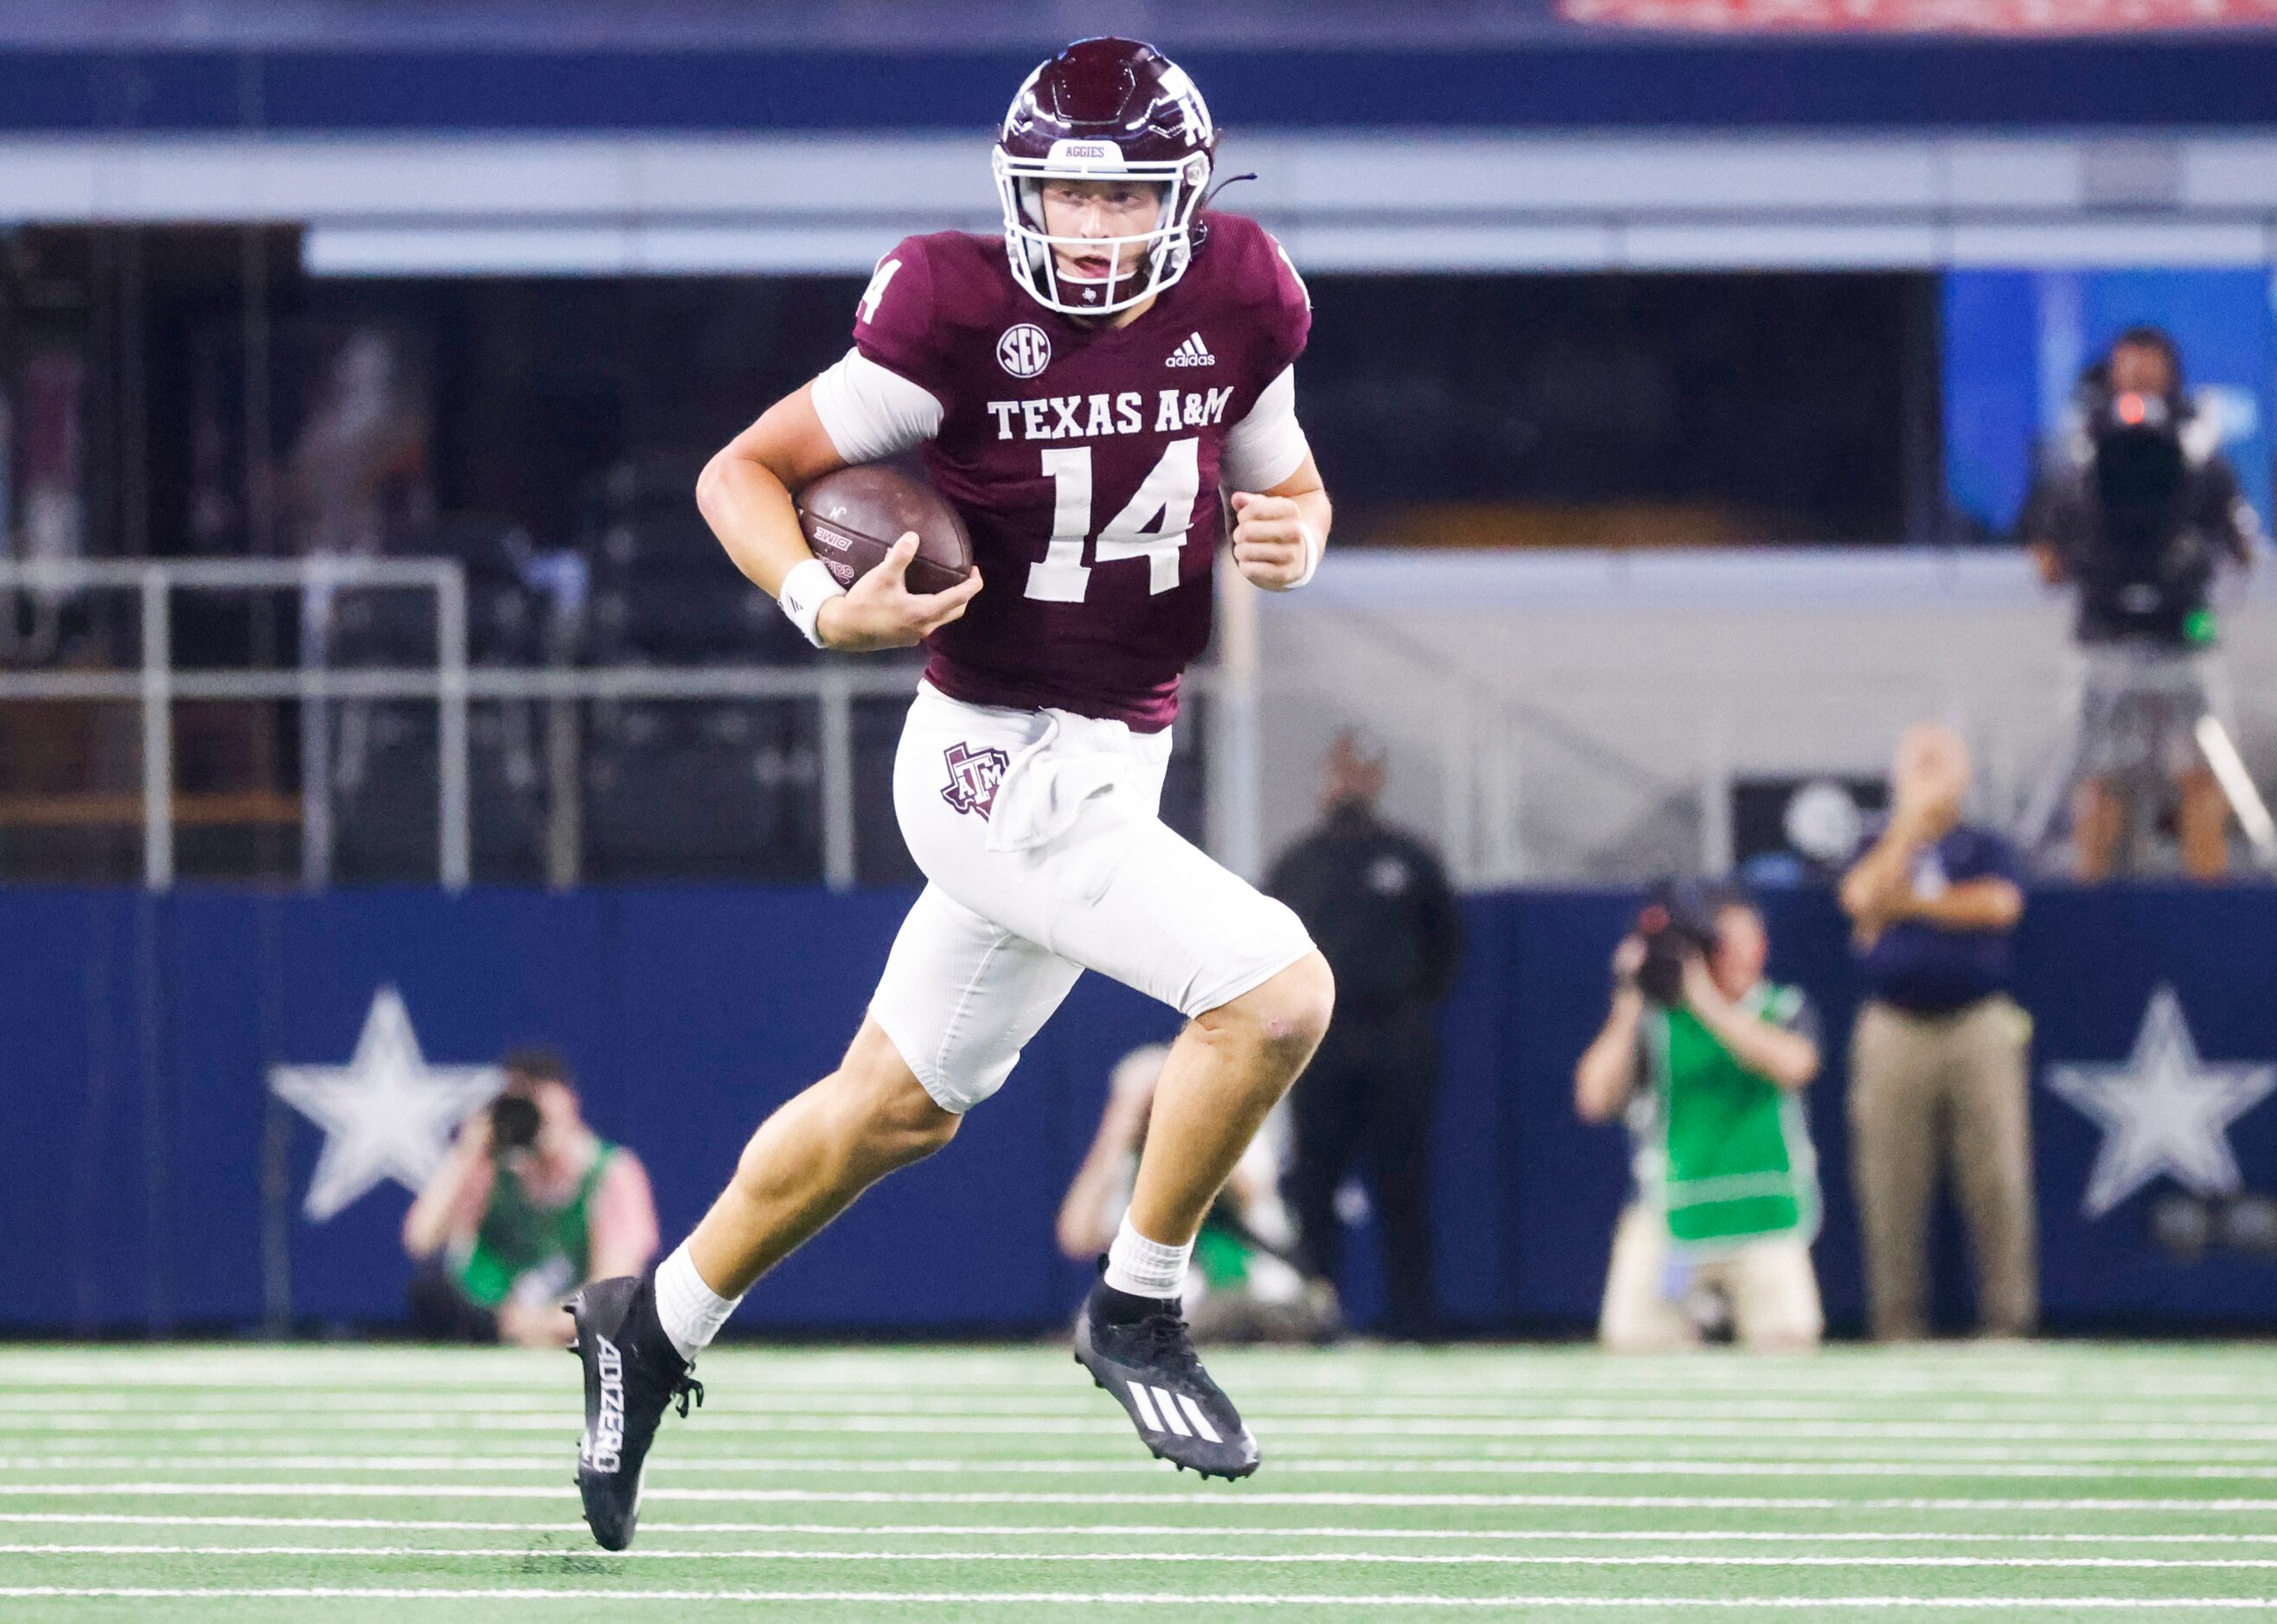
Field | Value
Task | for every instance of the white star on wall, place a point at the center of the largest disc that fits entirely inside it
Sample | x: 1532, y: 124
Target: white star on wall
x: 386, y: 1114
x: 2162, y: 1110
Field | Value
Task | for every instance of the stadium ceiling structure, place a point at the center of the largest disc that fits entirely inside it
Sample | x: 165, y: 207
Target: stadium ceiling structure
x: 1417, y: 200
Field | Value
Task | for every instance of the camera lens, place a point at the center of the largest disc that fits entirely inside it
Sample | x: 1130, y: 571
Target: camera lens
x: 514, y: 1123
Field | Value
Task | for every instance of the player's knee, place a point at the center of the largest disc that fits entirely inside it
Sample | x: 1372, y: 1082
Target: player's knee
x: 884, y: 1105
x: 1284, y: 1019
x: 908, y: 1127
x: 1299, y: 1002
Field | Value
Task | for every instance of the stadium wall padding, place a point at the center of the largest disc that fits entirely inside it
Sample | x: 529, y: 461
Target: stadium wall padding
x: 136, y: 1032
x: 1617, y: 79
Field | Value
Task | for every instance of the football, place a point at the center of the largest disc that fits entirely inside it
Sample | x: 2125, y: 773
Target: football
x: 853, y: 517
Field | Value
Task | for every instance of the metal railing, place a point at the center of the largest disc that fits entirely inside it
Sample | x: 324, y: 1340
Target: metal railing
x: 157, y: 684
x: 452, y: 684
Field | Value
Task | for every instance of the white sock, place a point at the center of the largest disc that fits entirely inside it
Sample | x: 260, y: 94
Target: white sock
x: 1145, y: 1268
x: 691, y: 1311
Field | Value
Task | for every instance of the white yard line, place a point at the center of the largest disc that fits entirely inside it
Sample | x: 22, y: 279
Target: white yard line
x: 1840, y: 1380
x: 1711, y: 1379
x: 1111, y: 1451
x: 1357, y: 1415
x: 1045, y: 1386
x: 1284, y: 1557
x: 1215, y: 1530
x: 823, y: 1356
x: 500, y: 1436
x: 1119, y: 1460
x: 1222, y: 1499
x: 764, y: 1404
x: 1103, y: 1440
x: 1122, y: 1598
x: 993, y: 1424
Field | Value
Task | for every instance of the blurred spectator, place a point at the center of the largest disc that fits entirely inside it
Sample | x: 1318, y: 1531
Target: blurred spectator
x: 1707, y: 1059
x: 358, y: 465
x: 530, y: 1204
x: 1242, y: 1285
x: 1376, y: 901
x: 1937, y: 1060
x: 2136, y: 508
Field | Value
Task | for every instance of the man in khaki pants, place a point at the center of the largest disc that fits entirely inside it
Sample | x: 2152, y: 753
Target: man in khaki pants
x: 1937, y: 1059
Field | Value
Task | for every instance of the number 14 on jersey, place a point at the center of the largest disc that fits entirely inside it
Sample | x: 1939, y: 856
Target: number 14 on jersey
x: 1152, y: 525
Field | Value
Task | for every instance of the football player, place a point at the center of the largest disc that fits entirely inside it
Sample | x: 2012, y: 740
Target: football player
x: 1082, y: 390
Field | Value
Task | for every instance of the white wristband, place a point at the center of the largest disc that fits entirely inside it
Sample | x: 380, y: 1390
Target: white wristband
x: 804, y: 590
x: 1314, y: 549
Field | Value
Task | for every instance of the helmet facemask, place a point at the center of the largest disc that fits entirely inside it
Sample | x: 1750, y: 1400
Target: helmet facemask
x: 1164, y: 250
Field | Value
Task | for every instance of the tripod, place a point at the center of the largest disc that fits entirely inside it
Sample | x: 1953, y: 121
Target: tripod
x: 2119, y: 736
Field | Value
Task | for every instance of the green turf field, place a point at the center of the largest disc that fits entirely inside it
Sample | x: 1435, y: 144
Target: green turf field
x: 360, y: 1483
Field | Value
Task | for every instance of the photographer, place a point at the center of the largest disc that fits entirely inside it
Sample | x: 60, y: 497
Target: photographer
x: 1706, y: 1058
x: 530, y: 1204
x: 2137, y: 509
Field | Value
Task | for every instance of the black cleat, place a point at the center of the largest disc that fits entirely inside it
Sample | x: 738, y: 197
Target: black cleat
x: 1137, y: 1348
x: 632, y: 1375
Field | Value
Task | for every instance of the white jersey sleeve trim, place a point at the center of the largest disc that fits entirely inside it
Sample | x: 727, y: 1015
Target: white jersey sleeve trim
x: 1267, y: 445
x: 870, y: 411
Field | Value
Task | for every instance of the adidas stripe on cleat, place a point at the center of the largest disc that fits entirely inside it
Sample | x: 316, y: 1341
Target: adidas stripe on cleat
x: 1151, y: 1402
x: 1138, y: 1349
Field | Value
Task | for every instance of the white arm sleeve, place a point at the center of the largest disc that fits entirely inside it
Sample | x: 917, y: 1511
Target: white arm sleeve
x: 1266, y: 446
x: 870, y: 411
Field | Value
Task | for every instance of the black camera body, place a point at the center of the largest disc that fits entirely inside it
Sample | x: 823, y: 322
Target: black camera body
x: 2147, y: 569
x: 514, y: 1123
x: 1678, y: 923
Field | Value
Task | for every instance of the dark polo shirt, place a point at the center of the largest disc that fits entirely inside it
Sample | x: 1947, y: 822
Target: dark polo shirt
x: 1929, y: 969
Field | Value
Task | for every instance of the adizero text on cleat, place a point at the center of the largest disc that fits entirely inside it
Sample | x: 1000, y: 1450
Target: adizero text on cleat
x: 1137, y: 1348
x: 632, y: 1374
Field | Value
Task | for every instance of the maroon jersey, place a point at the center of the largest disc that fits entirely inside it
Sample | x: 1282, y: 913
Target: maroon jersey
x: 1085, y: 459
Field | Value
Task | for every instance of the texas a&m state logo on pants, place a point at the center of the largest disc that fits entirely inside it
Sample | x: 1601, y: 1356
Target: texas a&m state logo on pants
x: 973, y: 775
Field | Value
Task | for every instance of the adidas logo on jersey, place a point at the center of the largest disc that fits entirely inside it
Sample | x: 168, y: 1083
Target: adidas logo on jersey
x: 1193, y: 353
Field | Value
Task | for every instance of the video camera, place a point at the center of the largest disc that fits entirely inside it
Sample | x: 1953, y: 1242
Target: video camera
x: 2149, y: 568
x: 1677, y: 923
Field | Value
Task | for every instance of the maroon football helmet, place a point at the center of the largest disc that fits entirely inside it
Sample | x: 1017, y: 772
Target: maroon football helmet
x: 1104, y: 110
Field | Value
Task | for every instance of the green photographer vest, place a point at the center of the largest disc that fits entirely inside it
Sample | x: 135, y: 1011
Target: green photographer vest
x: 1734, y: 1161
x: 518, y: 1235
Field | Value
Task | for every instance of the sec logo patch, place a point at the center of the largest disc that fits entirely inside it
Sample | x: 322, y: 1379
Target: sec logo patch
x: 1023, y: 351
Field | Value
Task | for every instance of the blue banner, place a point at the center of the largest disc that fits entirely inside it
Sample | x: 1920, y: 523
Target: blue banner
x: 2015, y: 342
x: 1563, y: 79
x: 153, y: 1180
